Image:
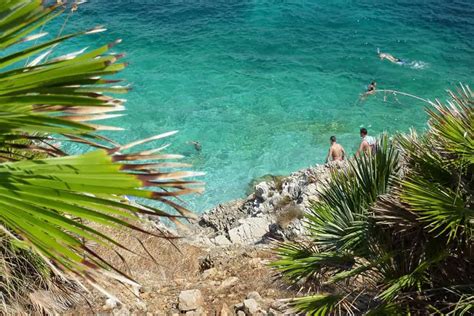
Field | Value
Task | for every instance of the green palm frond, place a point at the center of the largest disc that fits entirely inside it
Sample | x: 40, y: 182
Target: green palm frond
x: 20, y: 18
x: 405, y: 216
x: 44, y: 203
x: 298, y: 261
x: 340, y: 220
x: 317, y: 305
x: 59, y: 96
x: 465, y: 306
x: 55, y: 206
x: 451, y: 126
x: 443, y: 210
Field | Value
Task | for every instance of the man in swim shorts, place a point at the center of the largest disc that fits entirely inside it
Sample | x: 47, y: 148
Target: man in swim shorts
x: 368, y: 143
x: 336, y: 151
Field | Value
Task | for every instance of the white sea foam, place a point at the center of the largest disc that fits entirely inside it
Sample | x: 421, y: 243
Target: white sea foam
x: 418, y: 64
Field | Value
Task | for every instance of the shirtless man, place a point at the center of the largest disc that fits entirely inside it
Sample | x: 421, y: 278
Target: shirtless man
x: 336, y: 151
x: 389, y: 57
x: 367, y: 144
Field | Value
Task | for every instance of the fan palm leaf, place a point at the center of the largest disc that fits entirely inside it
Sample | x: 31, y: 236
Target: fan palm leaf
x: 405, y: 217
x: 55, y: 206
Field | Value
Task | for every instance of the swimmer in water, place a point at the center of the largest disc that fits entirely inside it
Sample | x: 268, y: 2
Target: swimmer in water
x: 371, y: 88
x: 197, y: 145
x: 389, y: 57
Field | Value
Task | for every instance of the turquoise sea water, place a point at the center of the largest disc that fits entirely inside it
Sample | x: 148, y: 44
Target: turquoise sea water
x: 263, y: 84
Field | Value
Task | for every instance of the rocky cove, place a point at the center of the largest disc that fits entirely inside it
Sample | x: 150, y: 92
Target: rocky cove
x: 244, y: 229
x: 220, y: 265
x: 272, y: 211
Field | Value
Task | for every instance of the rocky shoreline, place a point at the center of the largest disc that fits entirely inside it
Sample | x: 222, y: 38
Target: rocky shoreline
x: 222, y: 264
x: 232, y: 231
x: 273, y: 211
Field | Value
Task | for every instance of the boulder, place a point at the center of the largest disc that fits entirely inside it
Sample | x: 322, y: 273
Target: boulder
x: 255, y: 296
x: 250, y: 231
x: 251, y: 306
x: 222, y: 240
x: 223, y: 216
x: 262, y: 191
x: 189, y: 300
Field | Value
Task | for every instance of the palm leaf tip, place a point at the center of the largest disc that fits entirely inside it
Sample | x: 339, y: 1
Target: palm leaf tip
x: 59, y: 208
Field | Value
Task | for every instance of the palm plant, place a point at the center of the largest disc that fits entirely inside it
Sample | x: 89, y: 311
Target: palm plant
x: 51, y: 203
x: 393, y: 232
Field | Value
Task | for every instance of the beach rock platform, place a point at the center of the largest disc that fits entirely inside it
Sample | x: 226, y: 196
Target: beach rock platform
x: 273, y: 211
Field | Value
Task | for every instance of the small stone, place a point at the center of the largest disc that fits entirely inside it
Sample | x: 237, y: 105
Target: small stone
x: 141, y: 305
x: 254, y: 295
x: 225, y: 311
x: 121, y: 312
x: 209, y: 273
x: 198, y: 312
x: 206, y: 262
x: 251, y: 306
x: 240, y: 313
x: 255, y: 262
x: 189, y: 300
x: 228, y: 282
x: 110, y: 303
x: 278, y: 305
x: 239, y: 306
x: 272, y: 312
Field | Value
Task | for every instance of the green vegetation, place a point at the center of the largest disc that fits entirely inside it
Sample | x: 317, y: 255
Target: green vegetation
x: 52, y: 204
x: 393, y: 233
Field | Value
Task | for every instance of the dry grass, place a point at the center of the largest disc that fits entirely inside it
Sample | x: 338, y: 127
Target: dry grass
x: 174, y: 271
x: 289, y: 214
x: 27, y: 286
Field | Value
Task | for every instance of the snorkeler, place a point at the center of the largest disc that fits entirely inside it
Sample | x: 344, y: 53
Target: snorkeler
x: 197, y: 145
x: 389, y: 57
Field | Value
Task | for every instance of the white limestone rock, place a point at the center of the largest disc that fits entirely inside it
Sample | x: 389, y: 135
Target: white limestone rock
x: 189, y: 300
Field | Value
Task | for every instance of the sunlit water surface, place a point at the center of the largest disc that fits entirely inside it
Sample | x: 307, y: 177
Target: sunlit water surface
x: 262, y: 85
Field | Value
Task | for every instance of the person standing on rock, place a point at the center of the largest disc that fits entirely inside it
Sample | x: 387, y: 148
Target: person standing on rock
x: 368, y: 144
x: 336, y: 151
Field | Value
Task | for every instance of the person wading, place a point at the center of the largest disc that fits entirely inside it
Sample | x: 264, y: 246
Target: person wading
x: 336, y: 151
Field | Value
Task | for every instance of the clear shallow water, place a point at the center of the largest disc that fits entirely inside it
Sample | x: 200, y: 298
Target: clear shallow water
x: 262, y: 85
